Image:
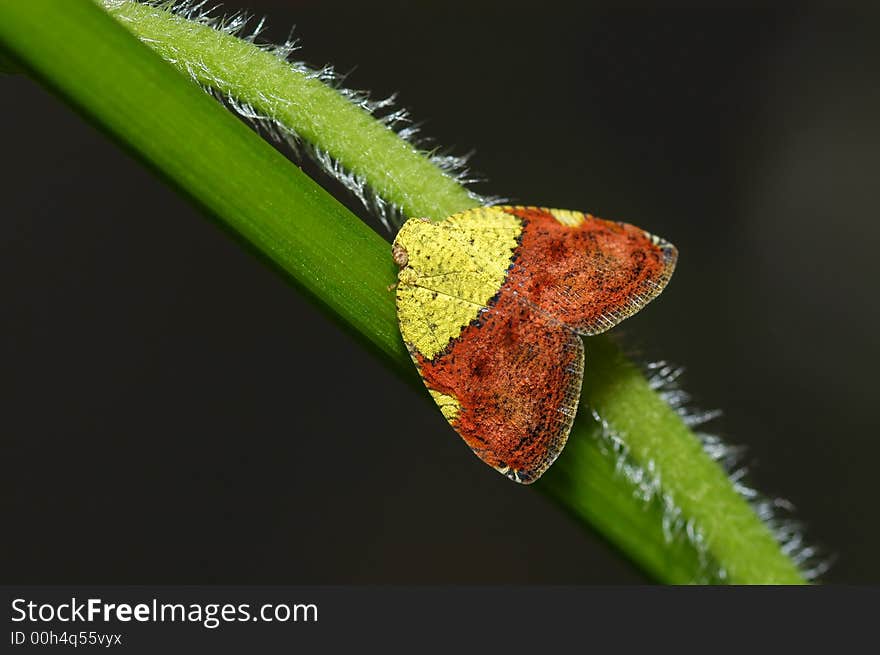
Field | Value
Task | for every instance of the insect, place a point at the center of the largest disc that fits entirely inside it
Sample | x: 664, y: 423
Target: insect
x: 491, y: 304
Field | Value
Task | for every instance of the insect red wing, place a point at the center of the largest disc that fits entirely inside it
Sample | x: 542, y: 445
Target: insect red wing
x: 587, y: 272
x: 516, y: 376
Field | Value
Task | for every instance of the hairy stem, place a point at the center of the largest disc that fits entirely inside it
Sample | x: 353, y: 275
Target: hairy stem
x: 393, y: 168
x: 638, y: 474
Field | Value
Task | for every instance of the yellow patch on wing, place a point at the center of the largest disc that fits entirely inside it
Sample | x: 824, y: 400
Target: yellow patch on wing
x: 429, y: 320
x: 567, y: 217
x: 454, y: 268
x: 449, y: 405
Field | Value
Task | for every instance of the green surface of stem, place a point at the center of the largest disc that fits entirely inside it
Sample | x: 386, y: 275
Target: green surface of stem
x: 395, y: 169
x: 85, y: 56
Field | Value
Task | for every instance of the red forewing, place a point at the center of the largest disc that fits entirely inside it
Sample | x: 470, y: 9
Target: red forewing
x: 516, y: 374
x: 590, y: 275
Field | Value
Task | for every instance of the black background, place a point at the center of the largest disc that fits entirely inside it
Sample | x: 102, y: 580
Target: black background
x: 174, y: 413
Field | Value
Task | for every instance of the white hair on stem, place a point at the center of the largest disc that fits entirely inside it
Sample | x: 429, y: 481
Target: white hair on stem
x: 266, y: 118
x: 663, y: 378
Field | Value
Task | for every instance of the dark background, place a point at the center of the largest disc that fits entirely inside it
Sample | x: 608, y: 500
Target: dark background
x: 174, y: 412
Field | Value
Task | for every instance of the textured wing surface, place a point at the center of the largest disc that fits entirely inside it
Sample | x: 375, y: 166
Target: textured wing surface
x: 510, y: 386
x: 587, y: 272
x: 454, y: 269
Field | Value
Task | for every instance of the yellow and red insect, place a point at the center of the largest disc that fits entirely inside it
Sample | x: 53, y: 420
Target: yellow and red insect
x: 491, y: 303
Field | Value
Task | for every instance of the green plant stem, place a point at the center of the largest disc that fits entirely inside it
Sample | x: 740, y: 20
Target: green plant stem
x: 397, y: 171
x: 85, y: 56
